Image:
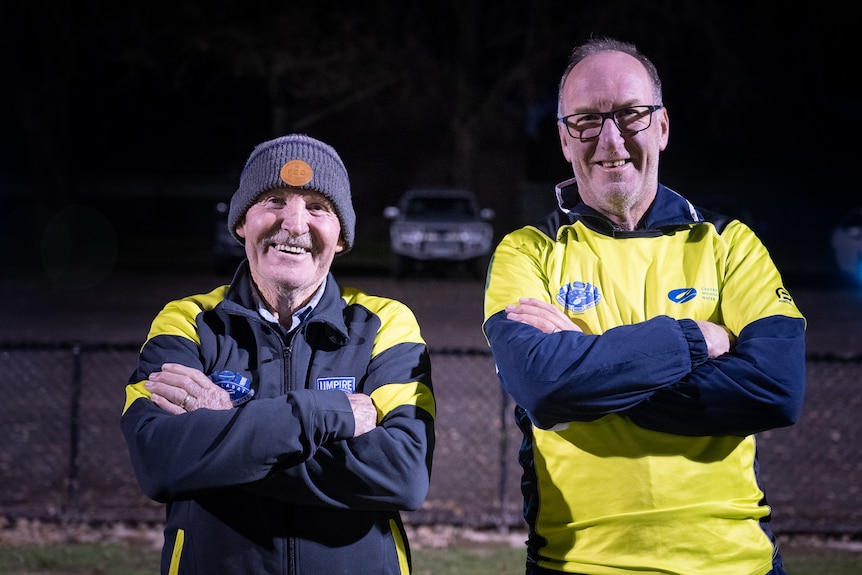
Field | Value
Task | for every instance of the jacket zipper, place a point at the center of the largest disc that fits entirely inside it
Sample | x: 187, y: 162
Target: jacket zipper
x: 288, y: 385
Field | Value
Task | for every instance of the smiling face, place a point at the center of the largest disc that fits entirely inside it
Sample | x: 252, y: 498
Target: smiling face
x: 291, y: 237
x: 617, y: 175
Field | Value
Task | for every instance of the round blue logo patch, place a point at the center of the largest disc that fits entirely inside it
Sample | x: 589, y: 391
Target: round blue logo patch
x: 578, y: 296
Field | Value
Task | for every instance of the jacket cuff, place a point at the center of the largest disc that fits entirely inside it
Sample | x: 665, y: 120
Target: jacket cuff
x: 326, y: 414
x: 697, y: 349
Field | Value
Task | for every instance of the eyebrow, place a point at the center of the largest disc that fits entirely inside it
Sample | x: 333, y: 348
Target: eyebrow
x: 285, y: 191
x: 592, y: 110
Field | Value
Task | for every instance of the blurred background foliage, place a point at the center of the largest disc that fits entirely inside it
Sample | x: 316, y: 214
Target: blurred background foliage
x: 451, y: 92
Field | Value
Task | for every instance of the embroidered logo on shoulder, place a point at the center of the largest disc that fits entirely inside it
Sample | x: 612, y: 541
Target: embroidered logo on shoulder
x: 681, y: 295
x: 345, y: 384
x: 236, y: 384
x: 783, y: 295
x: 578, y: 296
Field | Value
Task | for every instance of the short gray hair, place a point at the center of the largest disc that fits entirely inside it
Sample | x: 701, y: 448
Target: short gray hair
x: 604, y: 44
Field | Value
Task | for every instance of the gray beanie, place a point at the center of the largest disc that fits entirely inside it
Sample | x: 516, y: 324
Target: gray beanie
x: 295, y: 161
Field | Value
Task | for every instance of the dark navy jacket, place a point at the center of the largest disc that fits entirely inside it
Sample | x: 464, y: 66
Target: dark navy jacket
x: 278, y: 484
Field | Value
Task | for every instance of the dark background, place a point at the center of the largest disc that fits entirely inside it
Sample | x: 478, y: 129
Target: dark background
x: 123, y: 122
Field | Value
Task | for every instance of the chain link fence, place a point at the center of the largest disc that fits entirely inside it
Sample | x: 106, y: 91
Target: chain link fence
x: 63, y: 457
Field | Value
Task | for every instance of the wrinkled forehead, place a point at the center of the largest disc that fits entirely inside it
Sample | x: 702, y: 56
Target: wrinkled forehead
x: 287, y: 192
x: 605, y: 81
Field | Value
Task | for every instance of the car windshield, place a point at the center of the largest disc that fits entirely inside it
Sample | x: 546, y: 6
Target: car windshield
x: 442, y: 208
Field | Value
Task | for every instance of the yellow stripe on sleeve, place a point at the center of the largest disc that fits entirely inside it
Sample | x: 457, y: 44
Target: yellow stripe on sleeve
x: 134, y: 392
x: 398, y: 324
x: 388, y: 397
x: 178, y: 317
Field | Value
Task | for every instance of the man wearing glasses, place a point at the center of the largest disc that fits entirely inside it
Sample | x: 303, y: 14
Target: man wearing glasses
x: 645, y: 342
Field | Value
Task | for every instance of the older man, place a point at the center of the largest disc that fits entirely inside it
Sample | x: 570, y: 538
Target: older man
x: 283, y: 419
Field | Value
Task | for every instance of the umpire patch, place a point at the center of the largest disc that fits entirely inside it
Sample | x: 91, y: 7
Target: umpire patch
x: 345, y: 384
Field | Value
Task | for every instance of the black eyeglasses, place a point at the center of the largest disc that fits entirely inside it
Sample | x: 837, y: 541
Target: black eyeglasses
x: 630, y: 120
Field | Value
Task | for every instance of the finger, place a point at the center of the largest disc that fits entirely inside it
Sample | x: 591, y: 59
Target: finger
x: 528, y: 319
x: 527, y: 311
x: 540, y: 317
x: 155, y: 385
x: 548, y: 312
x: 188, y: 373
x: 165, y: 404
x: 184, y: 378
x: 545, y: 317
x: 530, y: 302
x: 170, y: 387
x: 180, y: 369
x: 543, y: 310
x: 184, y: 402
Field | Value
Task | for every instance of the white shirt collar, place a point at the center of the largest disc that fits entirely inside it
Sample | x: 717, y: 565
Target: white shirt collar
x: 298, y: 316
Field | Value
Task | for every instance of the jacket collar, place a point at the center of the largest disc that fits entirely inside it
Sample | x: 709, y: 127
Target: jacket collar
x: 329, y: 311
x: 668, y: 210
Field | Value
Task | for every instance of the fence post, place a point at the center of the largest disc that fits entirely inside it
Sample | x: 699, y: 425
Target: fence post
x: 74, y: 428
x: 503, y: 498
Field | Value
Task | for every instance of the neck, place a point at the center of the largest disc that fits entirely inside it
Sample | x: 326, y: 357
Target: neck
x: 283, y: 303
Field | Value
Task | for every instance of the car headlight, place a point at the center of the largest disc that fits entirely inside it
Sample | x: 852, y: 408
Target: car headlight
x: 472, y: 236
x: 476, y: 234
x: 409, y: 235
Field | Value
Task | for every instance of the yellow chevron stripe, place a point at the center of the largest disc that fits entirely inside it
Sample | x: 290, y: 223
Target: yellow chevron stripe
x: 398, y: 324
x: 136, y: 391
x: 388, y: 397
x: 178, y: 317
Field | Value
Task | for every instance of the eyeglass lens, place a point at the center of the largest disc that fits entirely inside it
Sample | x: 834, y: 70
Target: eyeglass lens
x: 629, y: 121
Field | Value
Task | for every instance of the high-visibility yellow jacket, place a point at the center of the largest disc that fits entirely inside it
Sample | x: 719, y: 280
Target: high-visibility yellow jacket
x: 639, y: 451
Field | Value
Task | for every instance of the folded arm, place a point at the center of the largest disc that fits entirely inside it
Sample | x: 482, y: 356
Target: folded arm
x: 570, y: 376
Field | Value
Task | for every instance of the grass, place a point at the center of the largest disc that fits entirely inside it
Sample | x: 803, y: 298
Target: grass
x: 458, y: 558
x: 799, y: 559
x: 79, y: 559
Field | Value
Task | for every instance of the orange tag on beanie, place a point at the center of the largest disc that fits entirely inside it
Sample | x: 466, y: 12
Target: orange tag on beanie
x: 296, y: 173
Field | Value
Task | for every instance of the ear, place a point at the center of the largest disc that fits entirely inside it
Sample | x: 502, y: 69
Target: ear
x: 664, y: 123
x: 339, y: 247
x: 565, y: 141
x: 240, y: 229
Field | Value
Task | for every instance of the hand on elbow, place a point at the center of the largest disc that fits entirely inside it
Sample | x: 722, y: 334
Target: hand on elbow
x: 719, y: 340
x: 364, y: 413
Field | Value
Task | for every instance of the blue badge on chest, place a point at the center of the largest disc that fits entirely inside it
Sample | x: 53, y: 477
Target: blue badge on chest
x: 578, y: 296
x: 236, y: 384
x: 345, y: 384
x: 682, y: 295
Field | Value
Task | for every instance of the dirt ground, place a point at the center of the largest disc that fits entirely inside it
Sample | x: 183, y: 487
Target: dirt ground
x: 119, y: 308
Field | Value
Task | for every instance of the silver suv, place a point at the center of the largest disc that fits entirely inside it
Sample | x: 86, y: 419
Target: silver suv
x: 439, y: 224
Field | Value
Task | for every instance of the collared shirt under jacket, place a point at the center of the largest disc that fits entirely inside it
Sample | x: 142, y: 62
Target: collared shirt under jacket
x: 278, y: 484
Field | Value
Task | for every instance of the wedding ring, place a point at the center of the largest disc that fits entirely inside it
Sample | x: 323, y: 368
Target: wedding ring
x: 184, y: 401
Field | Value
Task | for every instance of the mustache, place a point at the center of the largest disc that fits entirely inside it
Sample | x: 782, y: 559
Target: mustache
x: 304, y: 241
